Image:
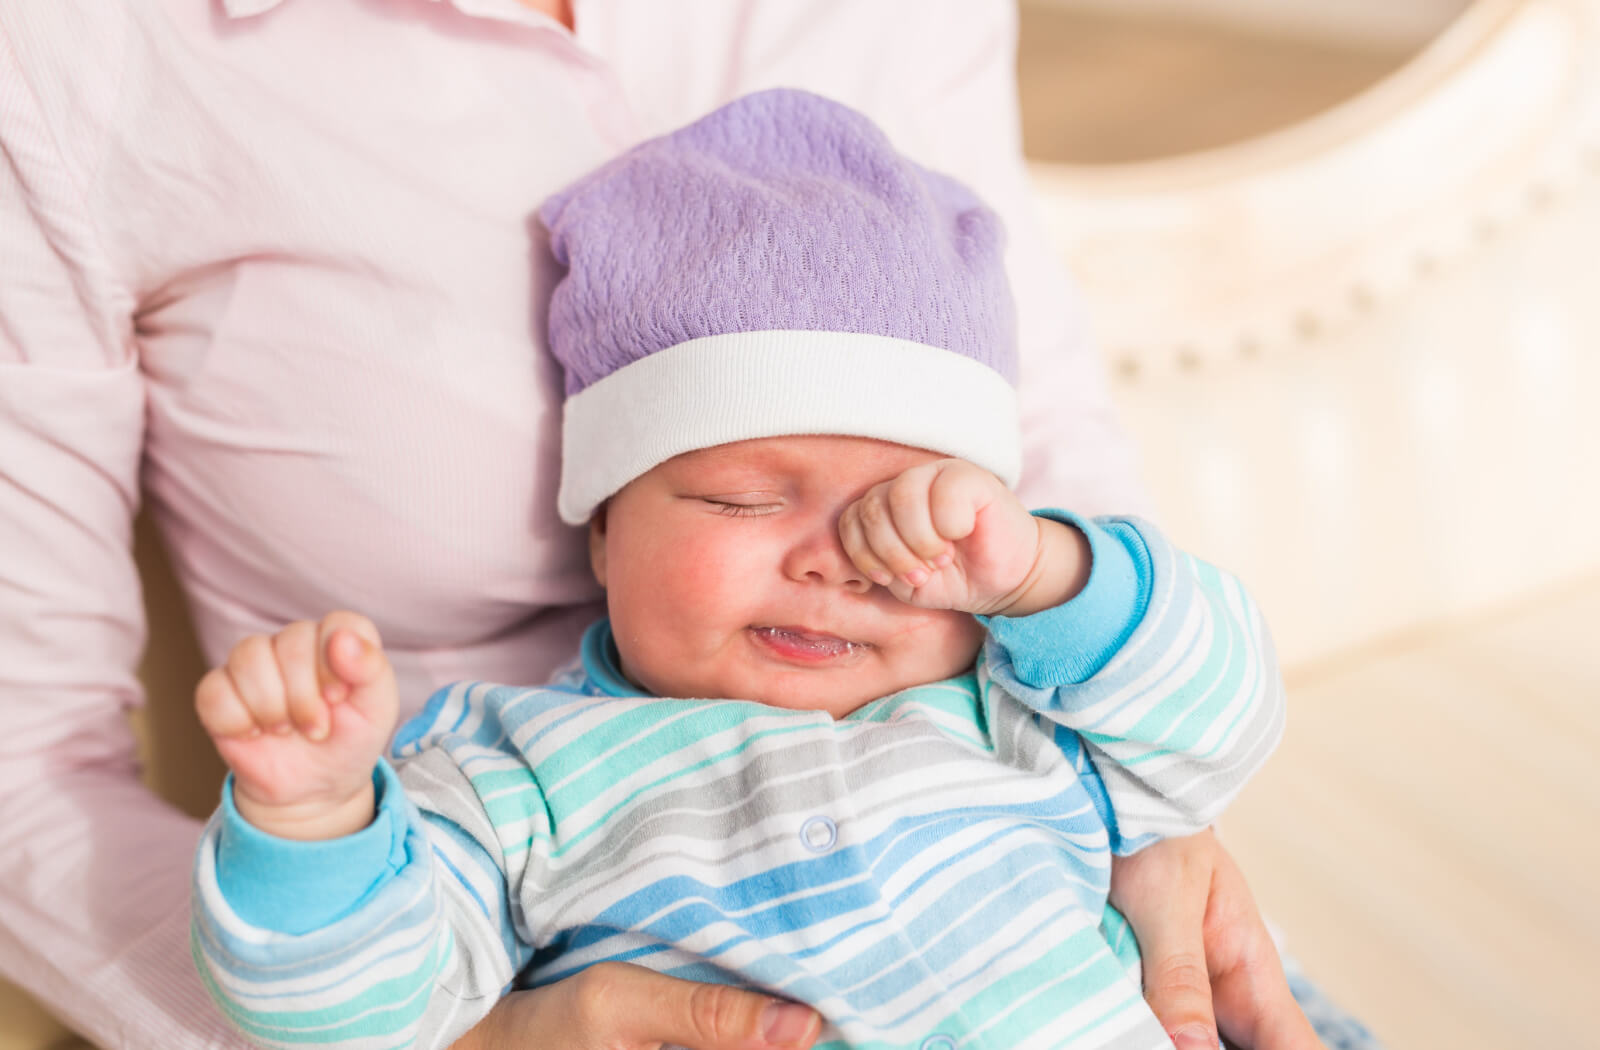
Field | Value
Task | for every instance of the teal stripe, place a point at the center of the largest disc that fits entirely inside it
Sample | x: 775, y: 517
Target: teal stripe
x: 1221, y: 677
x: 1252, y: 641
x: 511, y: 788
x: 958, y: 698
x: 647, y: 741
x: 1167, y: 719
x: 1061, y: 981
x: 514, y: 810
x: 1049, y: 987
x: 1214, y: 685
x: 498, y: 780
x: 397, y: 1005
x: 1235, y: 659
x: 570, y: 838
x: 1119, y: 936
x: 518, y: 798
x: 629, y: 720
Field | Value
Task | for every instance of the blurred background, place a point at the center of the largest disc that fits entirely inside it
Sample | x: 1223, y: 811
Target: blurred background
x: 1343, y: 262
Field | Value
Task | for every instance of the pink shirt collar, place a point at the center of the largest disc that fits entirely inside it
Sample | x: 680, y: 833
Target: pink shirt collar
x: 503, y: 10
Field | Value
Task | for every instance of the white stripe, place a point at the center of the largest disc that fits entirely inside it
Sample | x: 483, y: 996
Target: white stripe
x: 743, y: 385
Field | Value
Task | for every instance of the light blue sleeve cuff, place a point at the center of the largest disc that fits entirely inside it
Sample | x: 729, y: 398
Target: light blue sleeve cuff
x: 295, y: 887
x: 1070, y: 643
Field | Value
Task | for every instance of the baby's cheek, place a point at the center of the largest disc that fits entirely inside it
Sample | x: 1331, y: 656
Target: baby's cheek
x: 688, y: 594
x: 957, y: 637
x: 712, y: 570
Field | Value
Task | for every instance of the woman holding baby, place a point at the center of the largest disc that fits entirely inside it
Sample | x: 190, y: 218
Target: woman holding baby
x: 269, y: 265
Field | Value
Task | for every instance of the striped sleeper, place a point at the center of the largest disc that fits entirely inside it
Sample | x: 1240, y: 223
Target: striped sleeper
x: 929, y: 872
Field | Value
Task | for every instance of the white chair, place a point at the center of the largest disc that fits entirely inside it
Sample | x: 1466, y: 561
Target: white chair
x: 1380, y: 319
x: 1362, y: 359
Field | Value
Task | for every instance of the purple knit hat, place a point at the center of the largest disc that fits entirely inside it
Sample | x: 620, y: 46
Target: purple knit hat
x: 775, y: 268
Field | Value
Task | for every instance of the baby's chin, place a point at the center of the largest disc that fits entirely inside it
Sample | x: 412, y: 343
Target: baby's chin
x: 835, y: 687
x: 836, y: 693
x: 837, y: 705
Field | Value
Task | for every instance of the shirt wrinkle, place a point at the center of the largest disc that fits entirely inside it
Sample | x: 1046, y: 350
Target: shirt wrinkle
x: 500, y: 10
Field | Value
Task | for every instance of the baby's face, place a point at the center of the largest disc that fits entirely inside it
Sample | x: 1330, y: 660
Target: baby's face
x: 725, y: 578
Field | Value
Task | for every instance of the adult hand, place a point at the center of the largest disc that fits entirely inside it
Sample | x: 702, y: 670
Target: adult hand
x: 619, y: 1006
x: 1208, y: 959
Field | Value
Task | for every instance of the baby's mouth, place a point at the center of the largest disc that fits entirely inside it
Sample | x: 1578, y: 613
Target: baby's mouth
x: 796, y: 643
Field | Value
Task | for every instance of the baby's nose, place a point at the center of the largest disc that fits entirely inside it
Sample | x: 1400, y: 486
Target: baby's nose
x: 821, y: 558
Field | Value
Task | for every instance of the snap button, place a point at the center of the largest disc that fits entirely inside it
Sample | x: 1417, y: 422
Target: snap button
x: 818, y: 834
x: 938, y: 1042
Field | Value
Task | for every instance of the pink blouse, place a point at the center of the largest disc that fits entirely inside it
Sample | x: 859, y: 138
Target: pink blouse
x: 272, y: 265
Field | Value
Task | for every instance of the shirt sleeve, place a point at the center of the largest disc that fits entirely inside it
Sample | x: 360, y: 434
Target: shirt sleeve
x: 1162, y: 668
x: 967, y: 123
x: 398, y: 935
x: 294, y: 886
x: 1074, y: 640
x: 93, y: 868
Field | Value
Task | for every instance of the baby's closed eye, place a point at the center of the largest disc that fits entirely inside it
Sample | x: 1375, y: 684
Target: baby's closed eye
x: 743, y: 506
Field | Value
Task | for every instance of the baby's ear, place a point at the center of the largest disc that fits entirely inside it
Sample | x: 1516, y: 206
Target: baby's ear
x: 597, y: 544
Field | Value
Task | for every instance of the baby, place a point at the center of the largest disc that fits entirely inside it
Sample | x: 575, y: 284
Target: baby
x: 858, y: 729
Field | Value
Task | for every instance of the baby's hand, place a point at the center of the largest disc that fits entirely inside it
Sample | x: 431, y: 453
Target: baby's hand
x: 301, y: 718
x: 950, y: 535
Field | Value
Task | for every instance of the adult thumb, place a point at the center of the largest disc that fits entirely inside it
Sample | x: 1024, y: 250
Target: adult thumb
x: 628, y: 1005
x: 1178, y: 990
x: 1163, y: 892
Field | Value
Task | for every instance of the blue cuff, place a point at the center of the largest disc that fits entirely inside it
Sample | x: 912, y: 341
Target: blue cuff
x: 295, y: 887
x: 1069, y: 644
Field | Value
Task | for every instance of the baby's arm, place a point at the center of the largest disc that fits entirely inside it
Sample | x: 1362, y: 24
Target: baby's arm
x: 301, y: 718
x: 1164, y: 671
x: 323, y: 913
x: 1157, y: 662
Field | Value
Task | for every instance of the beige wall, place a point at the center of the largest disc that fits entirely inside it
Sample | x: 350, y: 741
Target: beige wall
x: 1382, y: 22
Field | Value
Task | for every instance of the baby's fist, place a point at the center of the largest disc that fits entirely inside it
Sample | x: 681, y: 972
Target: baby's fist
x: 943, y: 535
x: 301, y: 717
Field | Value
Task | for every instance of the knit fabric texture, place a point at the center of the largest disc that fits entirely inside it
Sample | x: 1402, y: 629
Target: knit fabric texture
x: 784, y: 211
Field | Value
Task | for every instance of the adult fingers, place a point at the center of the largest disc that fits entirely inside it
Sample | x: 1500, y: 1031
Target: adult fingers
x: 615, y: 1005
x: 1250, y: 994
x: 1257, y: 1011
x: 1163, y: 892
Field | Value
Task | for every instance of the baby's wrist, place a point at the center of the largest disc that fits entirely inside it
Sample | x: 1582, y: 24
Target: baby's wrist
x: 1060, y: 571
x: 313, y: 820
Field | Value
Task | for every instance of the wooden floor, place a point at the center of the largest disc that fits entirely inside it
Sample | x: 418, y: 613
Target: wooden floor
x: 1427, y: 833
